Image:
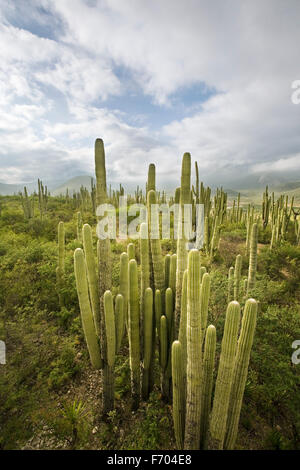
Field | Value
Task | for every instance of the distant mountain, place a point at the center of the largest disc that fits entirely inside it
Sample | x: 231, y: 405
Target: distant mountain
x: 289, y: 186
x: 11, y: 189
x: 73, y: 185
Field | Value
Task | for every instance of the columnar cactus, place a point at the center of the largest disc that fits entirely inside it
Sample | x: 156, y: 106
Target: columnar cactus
x: 60, y: 270
x: 92, y: 275
x: 178, y: 393
x: 224, y: 378
x: 119, y: 320
x: 204, y: 299
x: 134, y: 332
x: 156, y: 254
x: 237, y: 277
x: 240, y: 371
x: 124, y: 283
x: 167, y: 269
x: 85, y: 309
x: 253, y: 258
x: 230, y: 284
x: 185, y: 198
x: 131, y: 251
x: 151, y: 178
x: 182, y: 336
x: 104, y: 274
x: 194, y: 354
x: 208, y: 369
x: 110, y: 329
x: 145, y: 270
x: 79, y: 226
x: 147, y: 339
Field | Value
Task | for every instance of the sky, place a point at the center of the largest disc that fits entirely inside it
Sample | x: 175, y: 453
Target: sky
x: 154, y: 80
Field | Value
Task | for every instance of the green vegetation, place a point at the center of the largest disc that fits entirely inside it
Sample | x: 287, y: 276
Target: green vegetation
x: 145, y: 345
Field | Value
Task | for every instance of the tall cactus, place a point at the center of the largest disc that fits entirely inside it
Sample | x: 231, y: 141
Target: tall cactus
x: 134, y: 333
x: 237, y: 277
x: 208, y: 368
x: 60, y: 270
x: 124, y: 284
x: 224, y: 378
x: 119, y: 320
x: 156, y: 253
x: 230, y: 284
x: 182, y: 254
x: 240, y: 371
x: 204, y: 300
x: 194, y: 354
x: 110, y: 329
x: 92, y: 275
x: 85, y: 309
x: 131, y: 251
x: 147, y: 339
x: 253, y: 258
x: 104, y: 274
x: 178, y: 393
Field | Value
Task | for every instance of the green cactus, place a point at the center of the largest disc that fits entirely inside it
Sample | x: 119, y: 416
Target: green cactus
x: 60, y: 270
x: 202, y: 272
x: 92, y: 275
x: 79, y: 226
x: 151, y: 178
x: 253, y: 259
x: 147, y: 337
x: 167, y: 270
x: 131, y: 251
x: 172, y: 277
x: 230, y: 284
x: 182, y: 254
x: 237, y: 277
x: 134, y: 332
x: 85, y: 309
x: 123, y: 279
x: 183, y: 321
x: 178, y: 393
x: 104, y: 275
x: 119, y: 320
x: 156, y: 253
x: 208, y: 368
x: 224, y: 378
x: 194, y: 354
x: 204, y: 300
x: 240, y: 371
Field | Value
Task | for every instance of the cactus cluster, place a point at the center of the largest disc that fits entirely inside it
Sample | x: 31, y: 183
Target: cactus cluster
x: 164, y: 305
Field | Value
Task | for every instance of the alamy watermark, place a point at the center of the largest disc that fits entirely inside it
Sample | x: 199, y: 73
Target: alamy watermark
x: 124, y: 222
x: 295, y: 96
x: 296, y: 354
x: 2, y: 352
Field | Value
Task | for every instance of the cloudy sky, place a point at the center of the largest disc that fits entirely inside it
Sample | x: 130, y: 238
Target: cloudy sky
x: 153, y: 79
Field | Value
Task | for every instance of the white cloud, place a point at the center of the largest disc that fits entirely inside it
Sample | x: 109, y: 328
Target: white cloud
x: 246, y: 51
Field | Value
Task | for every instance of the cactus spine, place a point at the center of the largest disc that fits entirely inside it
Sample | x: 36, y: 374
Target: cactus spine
x: 240, y: 371
x: 134, y: 333
x: 224, y: 378
x: 178, y: 393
